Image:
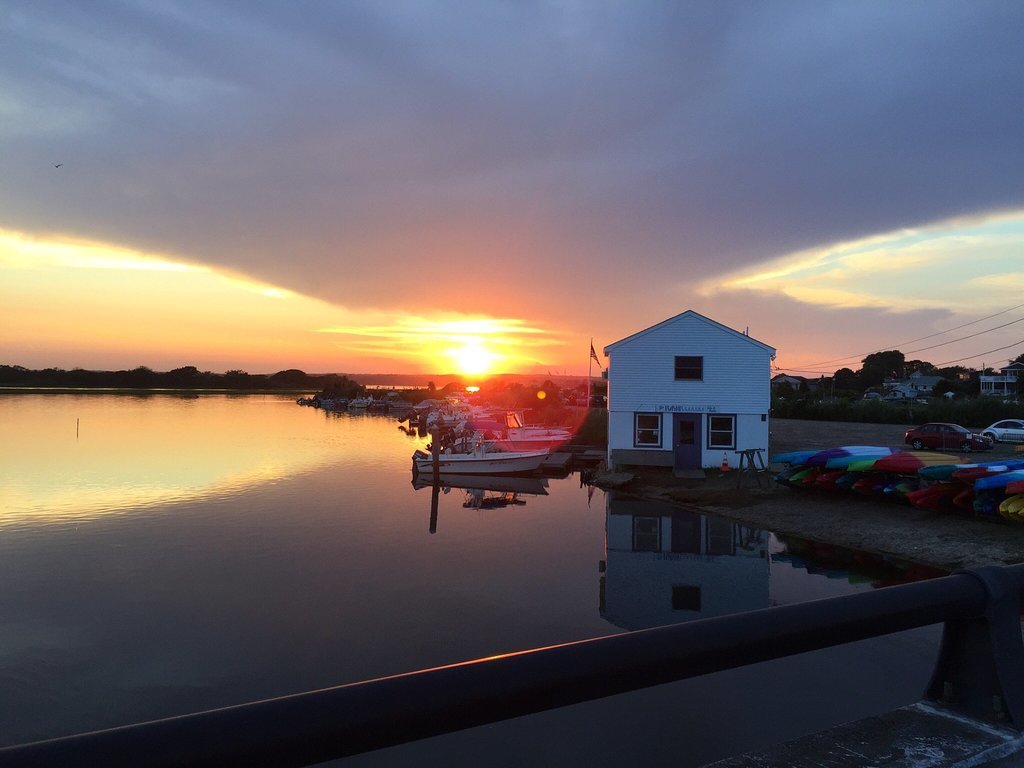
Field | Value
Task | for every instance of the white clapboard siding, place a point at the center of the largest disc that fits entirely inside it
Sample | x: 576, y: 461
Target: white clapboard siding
x: 737, y: 369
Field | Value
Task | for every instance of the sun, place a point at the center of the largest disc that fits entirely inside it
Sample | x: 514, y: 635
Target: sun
x: 473, y: 358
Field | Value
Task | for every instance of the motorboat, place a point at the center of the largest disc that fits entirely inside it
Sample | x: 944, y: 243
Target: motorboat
x: 511, y: 434
x: 483, y: 458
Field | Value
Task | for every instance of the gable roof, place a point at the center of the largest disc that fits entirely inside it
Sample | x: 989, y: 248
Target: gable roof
x: 698, y: 316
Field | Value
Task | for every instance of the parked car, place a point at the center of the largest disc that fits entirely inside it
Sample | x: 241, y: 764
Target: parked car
x: 946, y: 437
x: 1005, y: 431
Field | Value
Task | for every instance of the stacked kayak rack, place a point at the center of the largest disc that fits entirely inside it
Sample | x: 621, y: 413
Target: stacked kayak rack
x: 933, y: 481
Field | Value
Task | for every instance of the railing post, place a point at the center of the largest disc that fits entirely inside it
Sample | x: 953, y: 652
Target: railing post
x: 980, y: 669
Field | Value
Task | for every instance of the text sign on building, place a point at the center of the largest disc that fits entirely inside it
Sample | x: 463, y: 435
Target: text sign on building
x: 683, y: 408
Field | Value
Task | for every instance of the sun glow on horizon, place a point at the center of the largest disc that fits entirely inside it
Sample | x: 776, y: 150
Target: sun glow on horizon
x: 474, y: 346
x: 472, y: 358
x: 77, y: 303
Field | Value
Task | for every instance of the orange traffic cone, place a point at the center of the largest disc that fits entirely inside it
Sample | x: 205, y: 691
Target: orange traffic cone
x: 725, y: 463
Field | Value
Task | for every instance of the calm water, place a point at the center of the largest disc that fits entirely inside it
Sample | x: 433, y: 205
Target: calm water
x: 162, y: 555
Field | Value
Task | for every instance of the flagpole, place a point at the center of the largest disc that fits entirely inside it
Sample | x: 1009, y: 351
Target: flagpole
x: 590, y: 368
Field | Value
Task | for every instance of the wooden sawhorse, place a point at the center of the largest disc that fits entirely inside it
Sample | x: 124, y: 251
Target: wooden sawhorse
x: 751, y: 460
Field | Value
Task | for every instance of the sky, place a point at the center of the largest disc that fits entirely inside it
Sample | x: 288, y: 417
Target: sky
x: 419, y: 187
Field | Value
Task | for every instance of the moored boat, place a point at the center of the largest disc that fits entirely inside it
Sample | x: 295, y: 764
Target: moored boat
x: 480, y: 460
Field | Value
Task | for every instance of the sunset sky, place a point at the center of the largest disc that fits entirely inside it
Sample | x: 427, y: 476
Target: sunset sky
x: 482, y: 187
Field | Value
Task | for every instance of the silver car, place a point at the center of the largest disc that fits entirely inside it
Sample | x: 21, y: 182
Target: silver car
x: 1006, y: 431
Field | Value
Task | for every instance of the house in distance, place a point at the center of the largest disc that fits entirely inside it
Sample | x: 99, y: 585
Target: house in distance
x: 686, y: 393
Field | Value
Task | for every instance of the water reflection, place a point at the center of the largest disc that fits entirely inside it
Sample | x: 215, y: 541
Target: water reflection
x: 849, y: 565
x: 666, y: 565
x: 328, y: 575
x: 79, y: 457
x: 480, y: 491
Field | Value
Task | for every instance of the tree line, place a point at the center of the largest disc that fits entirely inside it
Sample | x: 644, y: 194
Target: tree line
x: 891, y: 366
x: 186, y: 377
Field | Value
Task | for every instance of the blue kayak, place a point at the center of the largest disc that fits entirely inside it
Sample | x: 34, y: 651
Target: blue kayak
x: 998, y: 481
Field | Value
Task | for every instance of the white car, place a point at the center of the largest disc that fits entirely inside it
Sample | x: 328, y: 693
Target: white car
x: 1006, y: 431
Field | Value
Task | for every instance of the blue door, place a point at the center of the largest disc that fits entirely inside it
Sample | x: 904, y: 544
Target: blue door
x: 686, y: 439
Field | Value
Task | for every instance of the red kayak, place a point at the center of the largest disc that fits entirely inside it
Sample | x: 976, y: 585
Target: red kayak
x: 964, y: 501
x: 970, y: 474
x: 1017, y: 486
x: 938, y: 497
x: 908, y: 462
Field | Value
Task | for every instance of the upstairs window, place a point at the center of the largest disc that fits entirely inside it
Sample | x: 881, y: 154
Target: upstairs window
x: 689, y: 368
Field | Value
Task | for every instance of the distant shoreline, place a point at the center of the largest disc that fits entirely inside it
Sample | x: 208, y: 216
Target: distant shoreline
x: 145, y: 391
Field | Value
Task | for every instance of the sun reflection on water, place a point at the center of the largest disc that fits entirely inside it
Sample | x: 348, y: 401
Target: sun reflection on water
x: 75, y: 458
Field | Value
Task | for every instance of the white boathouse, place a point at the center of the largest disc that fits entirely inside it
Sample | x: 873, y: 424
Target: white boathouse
x: 686, y: 393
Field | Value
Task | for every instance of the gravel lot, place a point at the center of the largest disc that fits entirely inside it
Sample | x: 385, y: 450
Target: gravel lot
x: 875, y: 525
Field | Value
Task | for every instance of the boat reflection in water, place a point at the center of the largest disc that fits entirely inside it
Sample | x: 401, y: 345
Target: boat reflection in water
x: 482, y: 491
x: 666, y: 565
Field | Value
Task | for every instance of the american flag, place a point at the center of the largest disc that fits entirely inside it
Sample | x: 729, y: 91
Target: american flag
x: 593, y: 354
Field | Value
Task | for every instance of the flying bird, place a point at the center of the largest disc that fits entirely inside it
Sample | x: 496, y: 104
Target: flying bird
x: 58, y: 165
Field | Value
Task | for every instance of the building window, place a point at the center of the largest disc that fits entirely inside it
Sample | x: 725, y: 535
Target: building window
x: 646, y: 534
x: 721, y: 431
x: 689, y: 368
x: 647, y: 433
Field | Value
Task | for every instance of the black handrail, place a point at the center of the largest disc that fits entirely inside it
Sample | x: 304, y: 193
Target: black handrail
x: 336, y: 722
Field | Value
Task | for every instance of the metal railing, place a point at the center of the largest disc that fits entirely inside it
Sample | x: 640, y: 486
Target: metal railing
x: 980, y: 672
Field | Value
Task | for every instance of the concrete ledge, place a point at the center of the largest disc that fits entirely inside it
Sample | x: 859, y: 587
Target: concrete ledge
x: 912, y: 737
x: 625, y: 457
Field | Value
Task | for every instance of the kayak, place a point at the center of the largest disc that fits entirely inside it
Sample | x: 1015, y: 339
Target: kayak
x: 1012, y: 507
x: 847, y: 479
x: 945, y: 471
x: 909, y: 462
x: 849, y: 452
x: 899, y: 489
x: 827, y: 479
x: 844, y: 462
x: 964, y: 500
x: 998, y: 481
x: 970, y: 474
x: 794, y: 457
x: 872, y: 484
x: 938, y: 497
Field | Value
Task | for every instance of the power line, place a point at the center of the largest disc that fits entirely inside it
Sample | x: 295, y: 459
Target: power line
x: 962, y: 338
x: 982, y: 354
x: 936, y: 365
x: 935, y: 346
x: 923, y: 338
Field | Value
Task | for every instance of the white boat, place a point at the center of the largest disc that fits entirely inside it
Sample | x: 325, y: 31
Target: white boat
x: 481, y: 460
x: 513, y: 435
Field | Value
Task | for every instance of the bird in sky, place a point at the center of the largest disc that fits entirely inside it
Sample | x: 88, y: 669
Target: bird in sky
x: 58, y: 165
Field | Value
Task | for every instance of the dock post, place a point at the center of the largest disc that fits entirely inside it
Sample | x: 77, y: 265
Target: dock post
x: 435, y: 453
x: 433, y: 506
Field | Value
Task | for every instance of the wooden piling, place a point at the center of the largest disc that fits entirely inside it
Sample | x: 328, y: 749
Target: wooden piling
x: 435, y: 454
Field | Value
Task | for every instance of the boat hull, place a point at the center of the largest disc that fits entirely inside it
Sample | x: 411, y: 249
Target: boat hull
x: 483, y: 464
